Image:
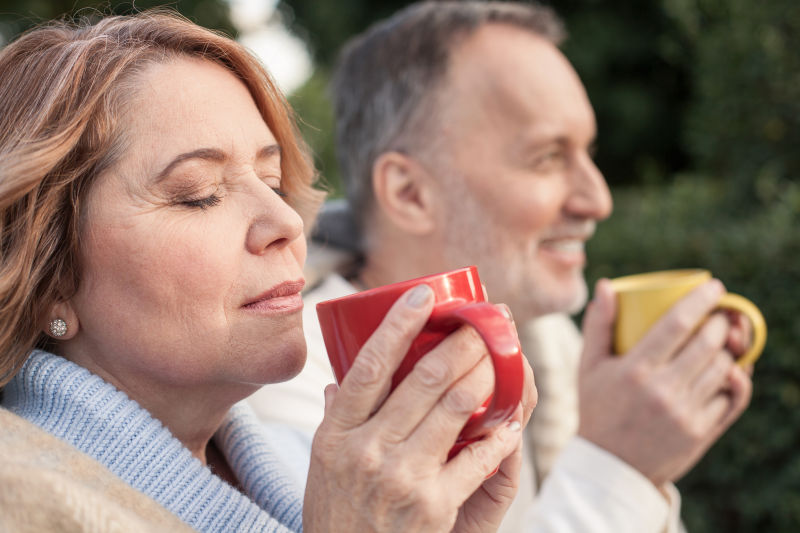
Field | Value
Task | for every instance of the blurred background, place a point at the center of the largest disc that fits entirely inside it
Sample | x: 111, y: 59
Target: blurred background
x: 698, y: 106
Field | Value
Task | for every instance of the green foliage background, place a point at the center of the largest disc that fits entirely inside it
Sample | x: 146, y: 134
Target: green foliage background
x: 19, y: 15
x: 698, y: 105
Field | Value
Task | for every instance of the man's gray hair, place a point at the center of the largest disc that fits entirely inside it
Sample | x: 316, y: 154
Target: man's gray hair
x: 387, y: 80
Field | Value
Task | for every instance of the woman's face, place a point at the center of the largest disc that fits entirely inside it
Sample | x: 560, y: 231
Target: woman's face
x: 191, y: 258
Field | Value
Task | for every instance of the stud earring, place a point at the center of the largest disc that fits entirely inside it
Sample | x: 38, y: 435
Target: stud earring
x: 58, y: 327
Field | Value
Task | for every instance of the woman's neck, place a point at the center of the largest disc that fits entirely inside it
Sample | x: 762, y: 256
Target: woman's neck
x: 219, y: 465
x: 192, y: 414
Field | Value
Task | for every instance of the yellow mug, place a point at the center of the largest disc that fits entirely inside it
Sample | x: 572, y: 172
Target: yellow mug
x: 643, y: 298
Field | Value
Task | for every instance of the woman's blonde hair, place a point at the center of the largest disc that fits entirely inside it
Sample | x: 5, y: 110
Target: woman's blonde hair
x: 61, y: 97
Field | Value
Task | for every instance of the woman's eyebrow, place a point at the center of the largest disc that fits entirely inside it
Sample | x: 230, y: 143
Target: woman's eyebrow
x: 212, y: 154
x: 206, y: 154
x: 269, y: 151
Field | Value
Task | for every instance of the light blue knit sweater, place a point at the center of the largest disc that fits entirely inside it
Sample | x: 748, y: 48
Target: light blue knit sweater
x: 68, y: 401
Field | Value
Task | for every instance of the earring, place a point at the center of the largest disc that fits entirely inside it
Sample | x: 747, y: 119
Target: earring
x: 58, y: 327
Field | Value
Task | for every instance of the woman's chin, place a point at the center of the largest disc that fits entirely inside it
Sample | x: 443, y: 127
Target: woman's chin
x: 282, y: 365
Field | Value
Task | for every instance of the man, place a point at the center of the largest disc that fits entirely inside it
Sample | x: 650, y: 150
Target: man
x: 465, y: 138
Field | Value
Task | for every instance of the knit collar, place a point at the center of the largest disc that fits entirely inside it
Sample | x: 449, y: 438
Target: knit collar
x: 69, y: 402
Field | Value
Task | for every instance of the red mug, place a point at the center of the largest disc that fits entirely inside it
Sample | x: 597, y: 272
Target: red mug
x: 349, y: 321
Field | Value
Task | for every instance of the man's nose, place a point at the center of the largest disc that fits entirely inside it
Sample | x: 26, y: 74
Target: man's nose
x: 590, y: 197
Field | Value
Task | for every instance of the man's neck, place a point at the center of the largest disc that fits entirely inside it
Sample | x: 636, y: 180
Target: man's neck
x: 383, y: 269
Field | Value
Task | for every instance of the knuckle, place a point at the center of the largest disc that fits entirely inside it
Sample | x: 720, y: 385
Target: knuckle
x: 472, y: 335
x: 399, y: 485
x: 460, y: 402
x: 678, y: 420
x: 697, y: 431
x: 691, y: 426
x: 638, y: 376
x: 483, y: 374
x: 396, y: 325
x: 709, y: 339
x: 687, y: 423
x: 679, y: 324
x: 724, y: 361
x: 431, y: 371
x: 369, y: 369
x: 530, y: 397
x: 323, y: 447
x: 663, y: 402
x: 481, y: 457
x: 430, y: 510
x: 468, y: 340
x: 369, y: 460
x: 531, y: 400
x: 744, y: 398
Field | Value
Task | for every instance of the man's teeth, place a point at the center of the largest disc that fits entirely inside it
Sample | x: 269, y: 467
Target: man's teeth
x: 566, y: 245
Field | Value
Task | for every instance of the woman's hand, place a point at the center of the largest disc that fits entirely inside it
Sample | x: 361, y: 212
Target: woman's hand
x: 379, y: 460
x: 485, y: 509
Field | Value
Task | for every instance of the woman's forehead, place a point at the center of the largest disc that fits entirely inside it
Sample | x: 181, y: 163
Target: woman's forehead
x: 188, y: 105
x: 189, y: 92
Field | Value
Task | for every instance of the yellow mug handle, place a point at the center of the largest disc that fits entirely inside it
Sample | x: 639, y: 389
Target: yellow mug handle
x: 734, y: 302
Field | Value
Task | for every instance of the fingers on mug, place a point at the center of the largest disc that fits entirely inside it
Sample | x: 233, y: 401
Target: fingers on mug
x: 348, y: 322
x: 642, y: 299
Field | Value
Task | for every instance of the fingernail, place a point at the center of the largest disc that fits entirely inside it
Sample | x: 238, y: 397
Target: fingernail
x: 506, y: 310
x: 601, y: 283
x: 419, y: 296
x: 514, y: 426
x: 598, y: 288
x: 718, y: 286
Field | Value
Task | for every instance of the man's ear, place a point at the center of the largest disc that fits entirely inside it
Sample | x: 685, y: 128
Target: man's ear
x: 404, y: 192
x: 69, y: 325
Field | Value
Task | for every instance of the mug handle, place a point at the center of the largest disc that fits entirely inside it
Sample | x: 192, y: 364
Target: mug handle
x: 500, y: 337
x: 734, y: 302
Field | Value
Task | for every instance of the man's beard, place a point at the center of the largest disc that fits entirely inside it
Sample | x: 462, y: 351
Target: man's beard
x: 509, y: 268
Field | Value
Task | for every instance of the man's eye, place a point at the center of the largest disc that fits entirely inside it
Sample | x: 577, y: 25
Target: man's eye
x: 549, y: 159
x: 279, y: 192
x: 203, y: 203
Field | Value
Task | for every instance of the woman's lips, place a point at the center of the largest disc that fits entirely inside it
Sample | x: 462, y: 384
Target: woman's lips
x: 280, y: 303
x: 283, y: 297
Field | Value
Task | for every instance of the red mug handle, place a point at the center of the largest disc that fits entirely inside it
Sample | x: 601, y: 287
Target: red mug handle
x: 499, y: 335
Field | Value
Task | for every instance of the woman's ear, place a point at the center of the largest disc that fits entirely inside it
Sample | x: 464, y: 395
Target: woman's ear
x: 404, y: 192
x: 61, y: 322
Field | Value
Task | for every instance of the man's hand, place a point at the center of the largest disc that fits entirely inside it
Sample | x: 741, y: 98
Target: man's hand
x: 661, y: 406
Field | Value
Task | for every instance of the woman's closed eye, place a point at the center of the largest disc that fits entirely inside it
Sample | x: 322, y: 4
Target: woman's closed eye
x: 202, y: 203
x: 272, y: 179
x: 215, y: 198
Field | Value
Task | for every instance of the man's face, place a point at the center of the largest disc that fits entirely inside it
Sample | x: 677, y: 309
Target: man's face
x: 520, y: 192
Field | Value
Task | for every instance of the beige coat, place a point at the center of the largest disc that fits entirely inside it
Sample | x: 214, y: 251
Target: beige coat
x: 47, y: 485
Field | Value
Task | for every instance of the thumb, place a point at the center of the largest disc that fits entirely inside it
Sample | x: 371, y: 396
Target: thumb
x: 598, y: 323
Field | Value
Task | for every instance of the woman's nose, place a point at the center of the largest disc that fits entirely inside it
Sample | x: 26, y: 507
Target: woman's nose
x: 276, y: 224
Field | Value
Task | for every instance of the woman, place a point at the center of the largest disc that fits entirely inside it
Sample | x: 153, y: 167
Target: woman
x: 153, y: 193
